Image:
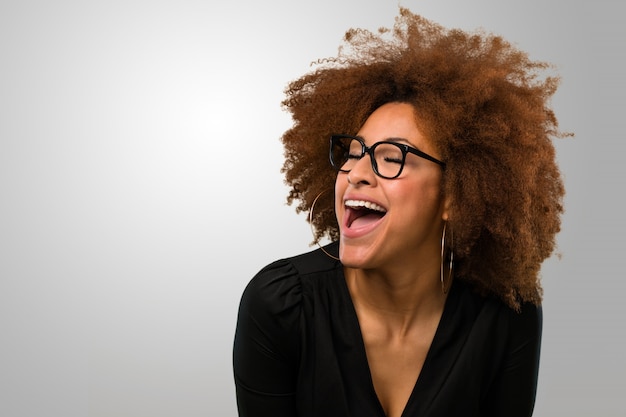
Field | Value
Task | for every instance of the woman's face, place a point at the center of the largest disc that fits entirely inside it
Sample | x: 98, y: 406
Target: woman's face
x: 406, y: 219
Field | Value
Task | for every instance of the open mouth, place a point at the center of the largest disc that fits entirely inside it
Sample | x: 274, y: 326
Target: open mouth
x: 362, y: 213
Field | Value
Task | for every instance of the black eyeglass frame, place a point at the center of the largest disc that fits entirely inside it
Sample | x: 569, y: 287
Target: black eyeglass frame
x: 404, y: 148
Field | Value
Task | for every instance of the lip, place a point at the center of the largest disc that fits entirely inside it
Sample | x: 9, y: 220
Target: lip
x: 356, y: 232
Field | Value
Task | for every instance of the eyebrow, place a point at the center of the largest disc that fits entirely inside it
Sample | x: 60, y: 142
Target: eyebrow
x: 400, y: 140
x: 395, y: 139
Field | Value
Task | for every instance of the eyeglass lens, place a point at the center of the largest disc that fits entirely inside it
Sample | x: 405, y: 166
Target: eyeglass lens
x: 387, y: 158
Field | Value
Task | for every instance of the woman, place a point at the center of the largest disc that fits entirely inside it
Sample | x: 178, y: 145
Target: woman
x: 447, y: 198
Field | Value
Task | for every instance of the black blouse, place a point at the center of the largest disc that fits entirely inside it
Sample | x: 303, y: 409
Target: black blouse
x: 298, y: 350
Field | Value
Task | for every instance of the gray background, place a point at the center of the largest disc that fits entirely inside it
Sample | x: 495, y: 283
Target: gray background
x: 128, y: 231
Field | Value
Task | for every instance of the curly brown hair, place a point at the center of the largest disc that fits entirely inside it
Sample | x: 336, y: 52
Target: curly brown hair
x: 485, y: 107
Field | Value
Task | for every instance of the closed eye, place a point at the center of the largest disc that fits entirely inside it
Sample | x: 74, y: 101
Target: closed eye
x: 393, y: 160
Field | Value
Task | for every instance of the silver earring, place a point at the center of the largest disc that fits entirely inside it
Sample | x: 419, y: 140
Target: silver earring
x: 444, y: 287
x: 313, y: 230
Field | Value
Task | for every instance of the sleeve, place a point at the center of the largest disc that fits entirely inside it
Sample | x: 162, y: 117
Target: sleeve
x: 515, y: 387
x: 267, y: 343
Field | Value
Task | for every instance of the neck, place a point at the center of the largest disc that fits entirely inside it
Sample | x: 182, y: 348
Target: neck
x: 400, y: 296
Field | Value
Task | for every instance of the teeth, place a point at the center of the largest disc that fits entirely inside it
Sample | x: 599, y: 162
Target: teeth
x: 366, y: 204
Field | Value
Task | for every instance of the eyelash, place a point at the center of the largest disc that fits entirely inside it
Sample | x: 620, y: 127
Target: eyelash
x: 397, y: 161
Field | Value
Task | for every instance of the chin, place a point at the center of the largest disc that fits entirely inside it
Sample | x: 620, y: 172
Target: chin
x: 356, y: 256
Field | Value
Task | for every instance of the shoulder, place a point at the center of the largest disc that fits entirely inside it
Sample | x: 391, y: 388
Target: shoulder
x: 493, y: 305
x: 526, y: 323
x: 491, y: 314
x: 278, y: 287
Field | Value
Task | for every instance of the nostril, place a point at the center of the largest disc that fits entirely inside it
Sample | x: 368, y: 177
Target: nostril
x: 361, y: 181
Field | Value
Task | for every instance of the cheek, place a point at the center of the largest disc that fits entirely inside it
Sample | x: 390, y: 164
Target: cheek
x: 340, y: 186
x: 421, y: 197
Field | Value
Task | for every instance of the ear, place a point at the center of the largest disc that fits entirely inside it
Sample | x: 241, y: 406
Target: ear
x: 445, y: 213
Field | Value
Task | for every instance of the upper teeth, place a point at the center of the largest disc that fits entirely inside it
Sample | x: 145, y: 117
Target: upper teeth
x: 366, y: 204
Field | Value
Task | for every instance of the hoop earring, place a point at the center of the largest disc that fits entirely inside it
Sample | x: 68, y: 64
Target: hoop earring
x: 444, y: 287
x: 313, y: 230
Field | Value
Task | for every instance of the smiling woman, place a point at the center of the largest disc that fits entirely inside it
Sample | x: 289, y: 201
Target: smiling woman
x: 447, y: 199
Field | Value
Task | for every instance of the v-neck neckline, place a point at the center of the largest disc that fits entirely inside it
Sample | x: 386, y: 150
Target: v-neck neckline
x: 425, y: 373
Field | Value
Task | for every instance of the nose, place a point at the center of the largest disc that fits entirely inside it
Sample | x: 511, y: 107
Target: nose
x: 362, y: 172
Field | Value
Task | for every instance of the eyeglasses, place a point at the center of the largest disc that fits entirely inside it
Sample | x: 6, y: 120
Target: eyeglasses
x: 387, y: 157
